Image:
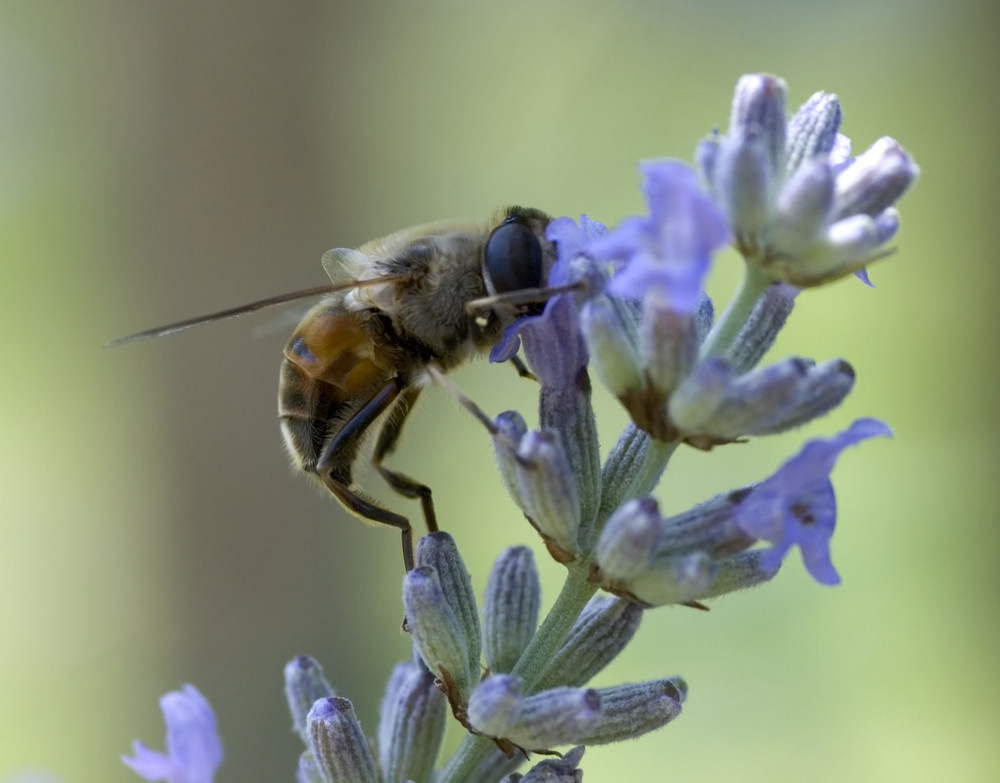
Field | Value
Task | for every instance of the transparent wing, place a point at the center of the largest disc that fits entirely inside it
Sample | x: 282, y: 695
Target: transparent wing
x: 343, y: 265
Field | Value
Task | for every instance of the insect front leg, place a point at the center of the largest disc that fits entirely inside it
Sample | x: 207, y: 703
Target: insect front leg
x: 522, y: 368
x: 404, y: 485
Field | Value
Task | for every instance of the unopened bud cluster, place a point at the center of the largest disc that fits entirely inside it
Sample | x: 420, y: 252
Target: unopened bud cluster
x: 802, y: 208
x: 445, y: 676
x: 785, y: 193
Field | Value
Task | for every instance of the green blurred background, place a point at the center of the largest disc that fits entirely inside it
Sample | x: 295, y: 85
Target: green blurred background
x: 164, y: 159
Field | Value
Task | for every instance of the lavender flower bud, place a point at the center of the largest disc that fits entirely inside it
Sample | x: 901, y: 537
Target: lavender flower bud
x: 304, y: 686
x: 495, y: 704
x: 874, y: 180
x: 750, y: 163
x: 709, y: 527
x: 812, y: 131
x: 568, y: 412
x: 338, y: 743
x: 436, y: 631
x: 548, y: 486
x: 700, y: 394
x: 704, y: 317
x: 544, y: 720
x: 742, y: 571
x: 711, y: 406
x: 750, y: 401
x: 857, y: 237
x: 822, y: 389
x: 636, y: 709
x: 512, y: 428
x: 438, y: 551
x: 844, y: 248
x: 744, y: 180
x: 622, y: 469
x: 673, y: 580
x: 606, y: 625
x: 411, y: 725
x: 555, y: 717
x: 629, y: 539
x: 668, y: 342
x: 887, y: 223
x: 612, y: 342
x: 759, y: 108
x: 804, y: 207
x: 513, y: 597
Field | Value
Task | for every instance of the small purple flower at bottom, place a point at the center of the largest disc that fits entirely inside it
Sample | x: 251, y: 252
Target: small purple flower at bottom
x: 796, y: 506
x: 194, y: 751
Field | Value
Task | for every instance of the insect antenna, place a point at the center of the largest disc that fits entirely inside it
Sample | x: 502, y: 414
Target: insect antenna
x: 233, y: 312
x: 524, y: 296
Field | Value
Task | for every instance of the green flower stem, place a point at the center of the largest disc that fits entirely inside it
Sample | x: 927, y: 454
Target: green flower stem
x: 576, y: 592
x: 723, y: 334
x: 653, y: 465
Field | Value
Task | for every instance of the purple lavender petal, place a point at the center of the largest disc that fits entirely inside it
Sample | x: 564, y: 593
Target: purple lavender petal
x: 571, y: 240
x: 796, y: 506
x: 553, y: 343
x: 671, y: 249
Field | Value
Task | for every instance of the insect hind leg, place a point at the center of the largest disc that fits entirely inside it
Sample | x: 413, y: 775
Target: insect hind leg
x: 356, y: 503
x: 333, y: 467
x: 387, y: 438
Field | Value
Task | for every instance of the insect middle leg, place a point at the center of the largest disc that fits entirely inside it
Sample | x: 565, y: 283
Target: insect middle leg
x: 404, y: 485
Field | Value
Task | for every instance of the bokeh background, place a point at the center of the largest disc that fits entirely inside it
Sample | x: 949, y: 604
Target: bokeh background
x: 159, y: 160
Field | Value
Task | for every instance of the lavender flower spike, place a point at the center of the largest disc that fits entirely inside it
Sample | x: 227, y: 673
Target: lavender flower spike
x: 796, y: 505
x: 194, y: 751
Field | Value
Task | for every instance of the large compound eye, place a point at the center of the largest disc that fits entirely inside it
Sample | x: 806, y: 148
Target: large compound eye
x: 513, y: 258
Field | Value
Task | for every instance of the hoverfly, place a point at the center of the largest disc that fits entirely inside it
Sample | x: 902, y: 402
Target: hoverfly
x: 417, y: 303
